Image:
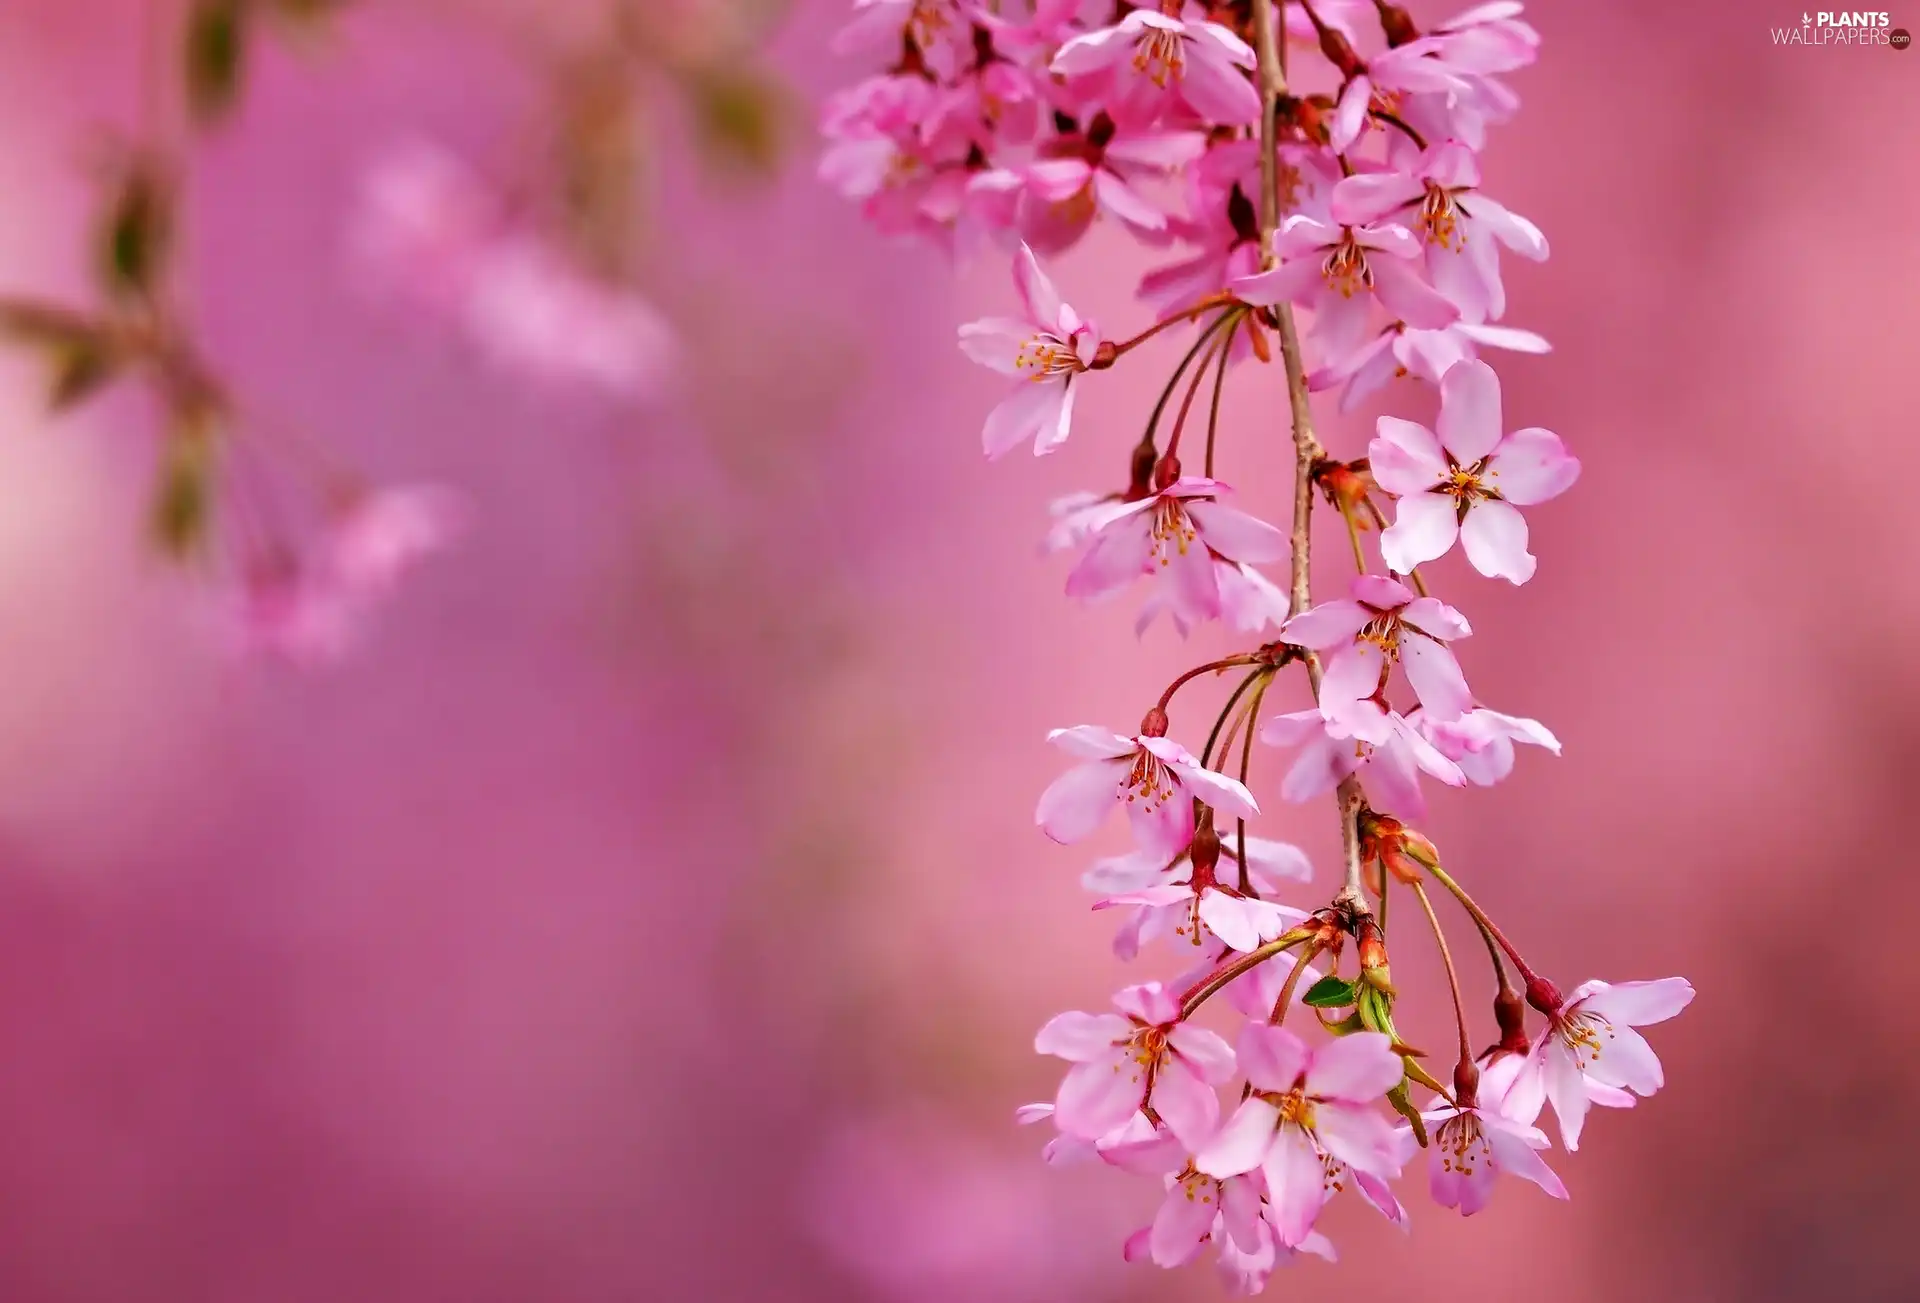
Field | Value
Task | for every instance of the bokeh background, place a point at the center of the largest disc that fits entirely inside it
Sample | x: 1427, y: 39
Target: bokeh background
x: 652, y: 909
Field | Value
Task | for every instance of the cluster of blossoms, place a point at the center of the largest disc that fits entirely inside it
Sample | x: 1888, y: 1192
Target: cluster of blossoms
x: 1350, y: 188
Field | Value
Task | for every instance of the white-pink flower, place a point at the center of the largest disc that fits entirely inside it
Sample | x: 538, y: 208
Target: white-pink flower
x: 1047, y: 348
x: 1467, y: 480
x: 1148, y: 56
x: 1384, y: 622
x: 1176, y: 535
x: 1164, y: 904
x: 1307, y: 1104
x: 1590, y: 1039
x: 1198, y: 1207
x: 1437, y: 195
x: 381, y: 534
x: 1473, y: 1145
x: 1154, y: 778
x: 1481, y: 742
x: 1142, y: 1055
x: 1337, y: 271
x: 1329, y: 754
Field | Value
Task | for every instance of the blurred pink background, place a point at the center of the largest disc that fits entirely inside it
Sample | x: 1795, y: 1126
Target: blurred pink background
x: 652, y: 911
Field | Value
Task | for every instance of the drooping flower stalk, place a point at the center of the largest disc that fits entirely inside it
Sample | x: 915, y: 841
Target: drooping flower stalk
x: 1364, y: 211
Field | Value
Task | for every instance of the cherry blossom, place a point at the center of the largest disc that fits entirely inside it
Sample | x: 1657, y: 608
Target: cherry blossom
x: 1149, y: 55
x: 1143, y: 1055
x: 380, y: 534
x: 1047, y: 349
x: 1481, y: 742
x: 1307, y: 1103
x: 1473, y: 1145
x: 1384, y: 623
x: 1467, y: 480
x: 1154, y: 778
x: 1176, y: 535
x: 1437, y: 195
x: 1391, y: 767
x: 1337, y: 271
x: 1591, y: 1038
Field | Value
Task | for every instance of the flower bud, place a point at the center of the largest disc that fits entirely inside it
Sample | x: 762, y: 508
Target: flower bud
x: 1466, y: 1083
x: 1204, y: 852
x: 1345, y: 486
x: 1544, y: 996
x: 1155, y: 724
x: 1371, y: 946
x: 1397, y: 23
x: 1510, y: 1015
x: 1166, y: 472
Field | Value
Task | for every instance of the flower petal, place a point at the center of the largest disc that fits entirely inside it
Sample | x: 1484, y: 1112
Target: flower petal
x: 1530, y: 466
x: 1079, y: 801
x: 1636, y: 1004
x: 1424, y: 528
x: 1082, y: 1037
x: 1099, y: 1096
x: 1273, y: 1058
x: 1469, y: 424
x: 1494, y: 537
x: 1241, y: 1145
x: 1359, y: 1068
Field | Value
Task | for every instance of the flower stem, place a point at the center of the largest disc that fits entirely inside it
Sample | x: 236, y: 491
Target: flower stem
x: 1285, y: 997
x: 1210, y: 668
x: 1453, y: 978
x: 1492, y: 930
x: 1178, y: 318
x: 1307, y: 449
x: 1206, y: 752
x: 1219, y: 386
x: 1239, y: 967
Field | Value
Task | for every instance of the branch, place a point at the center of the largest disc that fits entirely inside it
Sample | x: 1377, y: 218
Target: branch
x: 1306, y: 445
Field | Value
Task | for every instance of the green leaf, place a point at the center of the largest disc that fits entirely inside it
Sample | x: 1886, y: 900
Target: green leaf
x: 1329, y: 993
x: 136, y: 232
x: 216, y: 48
x: 81, y: 355
x: 740, y: 117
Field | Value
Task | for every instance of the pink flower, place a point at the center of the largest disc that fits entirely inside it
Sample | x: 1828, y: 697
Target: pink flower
x: 1307, y: 1105
x: 1246, y: 1273
x: 382, y: 534
x: 1164, y: 904
x: 1174, y: 534
x: 1337, y: 270
x: 1239, y: 921
x: 1199, y: 1207
x: 1428, y: 355
x: 1436, y: 193
x: 1466, y: 482
x: 289, y: 612
x: 1047, y: 349
x: 1142, y: 1055
x: 424, y: 220
x: 1383, y: 622
x: 1100, y: 173
x: 1591, y: 1039
x: 1418, y: 66
x: 1473, y: 1145
x: 940, y: 29
x: 1481, y: 742
x: 1154, y: 778
x: 1392, y: 767
x: 535, y: 313
x: 1148, y: 56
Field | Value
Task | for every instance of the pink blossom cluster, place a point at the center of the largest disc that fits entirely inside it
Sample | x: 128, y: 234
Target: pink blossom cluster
x: 430, y: 230
x: 1318, y: 158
